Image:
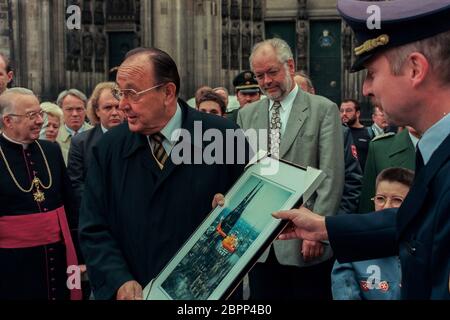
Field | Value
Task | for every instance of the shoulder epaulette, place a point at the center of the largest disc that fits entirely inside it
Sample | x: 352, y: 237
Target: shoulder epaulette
x: 384, y: 135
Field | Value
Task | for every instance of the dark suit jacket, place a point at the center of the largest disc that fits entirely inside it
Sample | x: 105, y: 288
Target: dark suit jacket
x: 134, y: 217
x: 419, y: 232
x: 80, y: 154
x: 233, y: 115
x: 385, y: 152
x: 353, y: 175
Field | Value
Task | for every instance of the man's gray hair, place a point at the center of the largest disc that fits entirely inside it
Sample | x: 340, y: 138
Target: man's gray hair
x: 74, y: 92
x: 7, y: 101
x: 282, y: 49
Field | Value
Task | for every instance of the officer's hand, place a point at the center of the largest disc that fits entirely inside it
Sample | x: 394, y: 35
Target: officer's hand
x: 305, y: 225
x: 130, y: 290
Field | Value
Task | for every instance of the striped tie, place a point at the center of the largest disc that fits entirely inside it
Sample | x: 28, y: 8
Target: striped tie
x: 159, y: 153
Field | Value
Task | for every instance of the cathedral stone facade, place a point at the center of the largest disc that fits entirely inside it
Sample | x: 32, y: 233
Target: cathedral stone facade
x: 210, y: 40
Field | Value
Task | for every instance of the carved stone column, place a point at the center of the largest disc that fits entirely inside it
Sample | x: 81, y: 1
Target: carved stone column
x: 302, y: 36
x: 302, y: 45
x: 87, y: 49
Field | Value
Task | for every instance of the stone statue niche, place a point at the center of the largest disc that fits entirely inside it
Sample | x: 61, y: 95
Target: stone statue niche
x: 86, y: 14
x: 257, y: 33
x: 225, y: 12
x: 235, y: 14
x: 88, y: 50
x: 73, y: 50
x: 257, y: 10
x: 246, y: 10
x: 347, y: 47
x: 120, y: 10
x: 137, y: 11
x: 225, y: 44
x: 235, y: 44
x: 302, y: 12
x: 100, y: 51
x: 99, y: 15
x: 246, y: 45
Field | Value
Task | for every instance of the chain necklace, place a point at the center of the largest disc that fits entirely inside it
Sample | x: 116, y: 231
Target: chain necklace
x: 39, y: 196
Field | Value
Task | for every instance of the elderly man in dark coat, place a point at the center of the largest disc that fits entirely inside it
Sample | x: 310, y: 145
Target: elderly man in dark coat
x: 149, y: 184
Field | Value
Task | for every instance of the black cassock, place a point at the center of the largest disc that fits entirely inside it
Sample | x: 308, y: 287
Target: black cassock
x: 37, y: 272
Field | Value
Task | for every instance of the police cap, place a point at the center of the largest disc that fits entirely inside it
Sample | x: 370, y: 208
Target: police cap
x: 246, y: 82
x: 380, y: 25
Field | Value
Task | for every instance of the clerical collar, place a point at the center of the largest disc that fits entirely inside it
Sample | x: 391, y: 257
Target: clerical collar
x: 104, y: 130
x: 24, y: 145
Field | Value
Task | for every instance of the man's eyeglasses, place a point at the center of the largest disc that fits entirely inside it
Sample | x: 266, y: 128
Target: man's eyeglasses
x: 381, y: 200
x: 131, y: 94
x: 32, y: 115
x: 271, y: 74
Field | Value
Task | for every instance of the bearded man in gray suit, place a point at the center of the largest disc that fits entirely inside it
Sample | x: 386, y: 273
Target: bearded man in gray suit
x: 309, y: 134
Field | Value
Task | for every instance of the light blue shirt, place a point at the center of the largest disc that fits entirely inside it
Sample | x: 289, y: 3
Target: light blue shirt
x: 433, y: 137
x: 168, y: 131
x: 377, y: 130
x: 72, y: 132
x: 285, y: 109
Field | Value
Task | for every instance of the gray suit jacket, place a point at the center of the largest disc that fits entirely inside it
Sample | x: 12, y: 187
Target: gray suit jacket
x: 313, y: 137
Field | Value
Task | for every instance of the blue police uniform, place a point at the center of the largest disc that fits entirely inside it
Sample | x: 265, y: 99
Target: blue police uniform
x: 420, y: 232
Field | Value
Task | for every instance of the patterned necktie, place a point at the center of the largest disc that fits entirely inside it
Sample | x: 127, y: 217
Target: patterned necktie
x: 275, y: 130
x: 159, y: 152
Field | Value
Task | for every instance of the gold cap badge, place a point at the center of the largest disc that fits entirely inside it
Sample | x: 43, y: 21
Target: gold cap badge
x: 371, y: 44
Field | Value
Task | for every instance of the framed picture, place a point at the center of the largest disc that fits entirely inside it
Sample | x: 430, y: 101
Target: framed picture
x: 225, y: 246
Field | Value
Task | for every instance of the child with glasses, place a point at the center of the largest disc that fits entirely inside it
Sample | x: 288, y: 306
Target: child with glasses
x: 376, y: 279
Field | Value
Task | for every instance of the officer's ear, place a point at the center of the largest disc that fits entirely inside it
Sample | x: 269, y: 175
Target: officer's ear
x: 417, y: 68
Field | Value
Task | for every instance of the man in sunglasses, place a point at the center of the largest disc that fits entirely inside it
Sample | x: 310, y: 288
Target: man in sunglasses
x: 140, y: 204
x: 36, y: 248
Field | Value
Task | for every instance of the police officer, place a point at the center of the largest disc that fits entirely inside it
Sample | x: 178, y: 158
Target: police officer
x: 247, y: 91
x: 408, y: 72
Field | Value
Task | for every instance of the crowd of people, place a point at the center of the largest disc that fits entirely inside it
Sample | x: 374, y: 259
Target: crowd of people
x: 94, y: 205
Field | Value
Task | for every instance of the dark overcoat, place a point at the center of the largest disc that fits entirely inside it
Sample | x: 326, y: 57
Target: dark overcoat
x: 134, y: 217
